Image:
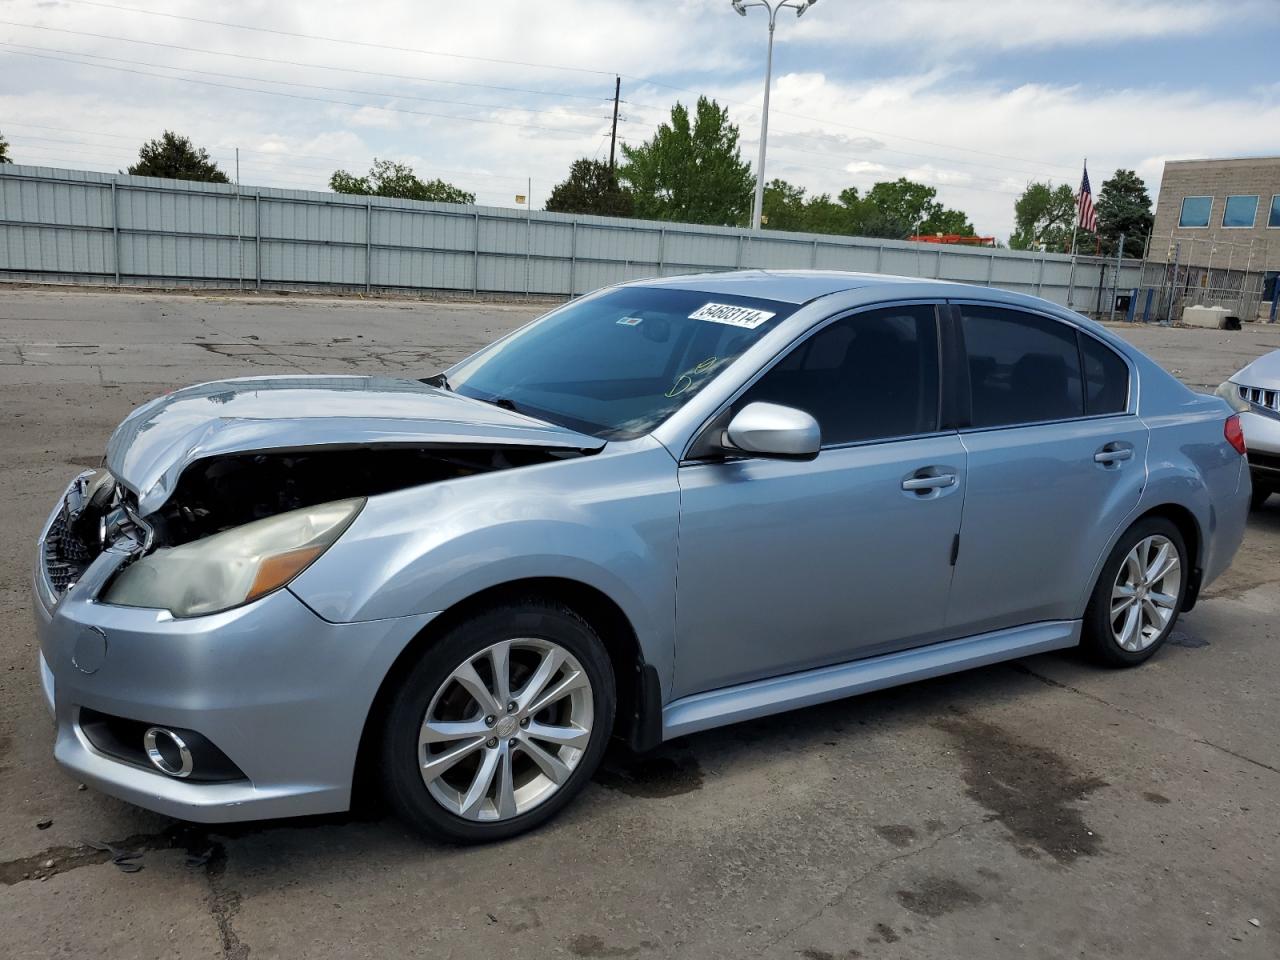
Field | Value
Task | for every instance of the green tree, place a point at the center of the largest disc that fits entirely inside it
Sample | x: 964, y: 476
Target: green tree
x: 1043, y: 217
x: 4, y: 150
x: 784, y: 206
x: 1124, y: 206
x: 386, y: 178
x: 900, y: 208
x: 591, y: 187
x: 176, y: 158
x: 691, y: 170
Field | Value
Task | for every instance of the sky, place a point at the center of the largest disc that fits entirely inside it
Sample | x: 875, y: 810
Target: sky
x: 973, y: 97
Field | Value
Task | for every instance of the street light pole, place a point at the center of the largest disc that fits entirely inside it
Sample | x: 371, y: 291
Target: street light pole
x: 771, y: 7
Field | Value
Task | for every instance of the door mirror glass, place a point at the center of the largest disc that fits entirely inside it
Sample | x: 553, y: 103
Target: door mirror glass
x: 772, y: 430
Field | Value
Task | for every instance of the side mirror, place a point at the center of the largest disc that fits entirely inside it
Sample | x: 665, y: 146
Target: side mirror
x: 772, y: 430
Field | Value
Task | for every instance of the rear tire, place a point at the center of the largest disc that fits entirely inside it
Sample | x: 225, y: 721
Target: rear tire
x: 470, y: 757
x: 1138, y: 596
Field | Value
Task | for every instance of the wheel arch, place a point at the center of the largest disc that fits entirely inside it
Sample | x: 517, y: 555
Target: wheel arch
x: 638, y: 719
x: 1188, y: 526
x: 1192, y: 538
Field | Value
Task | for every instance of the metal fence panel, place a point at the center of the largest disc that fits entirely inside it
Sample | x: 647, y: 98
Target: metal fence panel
x: 85, y: 227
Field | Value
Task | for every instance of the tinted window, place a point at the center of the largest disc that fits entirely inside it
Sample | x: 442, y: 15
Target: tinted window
x: 1022, y: 368
x: 865, y: 377
x: 1240, y: 211
x: 1274, y: 219
x: 1106, y: 377
x: 1195, y: 211
x: 618, y: 364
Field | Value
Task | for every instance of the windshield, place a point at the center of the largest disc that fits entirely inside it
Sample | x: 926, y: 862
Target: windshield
x: 618, y: 364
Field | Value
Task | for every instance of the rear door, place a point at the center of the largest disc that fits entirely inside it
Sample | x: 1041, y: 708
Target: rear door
x: 1057, y: 461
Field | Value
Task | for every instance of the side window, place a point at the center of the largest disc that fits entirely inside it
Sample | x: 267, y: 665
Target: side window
x: 1023, y: 368
x: 1106, y: 377
x: 868, y: 376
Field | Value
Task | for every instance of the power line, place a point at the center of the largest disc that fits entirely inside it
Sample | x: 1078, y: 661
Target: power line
x: 305, y: 36
x: 311, y: 66
x: 344, y: 40
x: 308, y: 86
x: 289, y: 160
x: 294, y: 96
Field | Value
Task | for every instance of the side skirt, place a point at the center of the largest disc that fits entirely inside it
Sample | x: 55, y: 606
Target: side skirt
x: 716, y: 708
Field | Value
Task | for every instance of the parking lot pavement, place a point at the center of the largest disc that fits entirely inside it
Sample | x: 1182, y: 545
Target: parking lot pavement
x: 1043, y: 808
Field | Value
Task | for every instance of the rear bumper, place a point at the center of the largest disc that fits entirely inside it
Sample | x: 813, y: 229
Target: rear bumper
x: 283, y: 693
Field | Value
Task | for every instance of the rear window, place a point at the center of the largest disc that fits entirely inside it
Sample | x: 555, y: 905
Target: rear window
x: 1023, y: 368
x: 1106, y: 377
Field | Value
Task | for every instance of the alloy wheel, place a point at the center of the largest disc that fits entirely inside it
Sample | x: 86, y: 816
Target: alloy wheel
x: 1145, y: 596
x: 505, y: 731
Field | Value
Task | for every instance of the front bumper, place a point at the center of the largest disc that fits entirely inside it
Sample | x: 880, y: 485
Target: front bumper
x: 1262, y: 436
x: 283, y: 693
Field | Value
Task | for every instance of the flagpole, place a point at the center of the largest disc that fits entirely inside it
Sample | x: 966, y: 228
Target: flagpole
x: 1076, y: 229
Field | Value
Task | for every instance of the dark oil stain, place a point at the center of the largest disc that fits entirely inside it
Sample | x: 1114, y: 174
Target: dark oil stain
x: 1180, y: 638
x: 1152, y: 797
x: 899, y: 834
x: 810, y: 953
x: 651, y: 775
x: 988, y: 873
x: 937, y: 896
x: 934, y: 825
x: 1027, y: 787
x: 589, y: 945
x: 886, y: 933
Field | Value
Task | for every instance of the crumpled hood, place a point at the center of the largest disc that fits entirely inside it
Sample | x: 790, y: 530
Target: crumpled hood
x: 1263, y: 372
x: 153, y: 446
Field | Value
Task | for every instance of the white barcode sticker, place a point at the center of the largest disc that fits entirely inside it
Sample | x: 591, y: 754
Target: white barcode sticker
x: 744, y: 317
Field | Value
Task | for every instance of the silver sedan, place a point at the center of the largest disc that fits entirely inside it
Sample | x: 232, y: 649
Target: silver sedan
x: 1254, y: 393
x: 664, y: 507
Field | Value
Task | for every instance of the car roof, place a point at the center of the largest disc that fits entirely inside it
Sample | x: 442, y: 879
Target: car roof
x: 785, y: 286
x: 804, y: 286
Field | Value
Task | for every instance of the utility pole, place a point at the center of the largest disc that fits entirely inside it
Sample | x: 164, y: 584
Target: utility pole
x: 613, y: 139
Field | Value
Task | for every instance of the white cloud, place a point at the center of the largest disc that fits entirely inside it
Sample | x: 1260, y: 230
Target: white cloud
x: 976, y: 138
x: 1011, y: 24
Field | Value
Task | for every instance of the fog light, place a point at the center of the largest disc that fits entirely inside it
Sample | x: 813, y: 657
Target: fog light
x: 167, y: 752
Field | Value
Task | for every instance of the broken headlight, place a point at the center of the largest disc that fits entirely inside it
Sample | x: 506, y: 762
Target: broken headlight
x: 233, y: 567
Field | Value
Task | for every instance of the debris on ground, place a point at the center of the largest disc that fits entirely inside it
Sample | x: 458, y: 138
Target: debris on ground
x: 44, y: 823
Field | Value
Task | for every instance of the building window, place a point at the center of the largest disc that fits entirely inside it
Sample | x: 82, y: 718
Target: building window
x: 1195, y: 211
x: 1240, y: 212
x: 1274, y: 219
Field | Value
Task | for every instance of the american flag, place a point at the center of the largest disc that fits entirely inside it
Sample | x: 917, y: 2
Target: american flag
x: 1085, y: 216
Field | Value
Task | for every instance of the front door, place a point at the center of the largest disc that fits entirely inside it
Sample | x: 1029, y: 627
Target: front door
x: 787, y: 565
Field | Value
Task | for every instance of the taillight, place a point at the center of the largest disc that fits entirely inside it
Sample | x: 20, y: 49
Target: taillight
x: 1234, y: 433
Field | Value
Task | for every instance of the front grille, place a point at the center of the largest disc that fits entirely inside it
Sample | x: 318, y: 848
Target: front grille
x: 65, y: 556
x: 1261, y: 397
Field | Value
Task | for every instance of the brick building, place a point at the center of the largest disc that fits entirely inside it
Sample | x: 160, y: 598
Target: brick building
x: 1219, y: 213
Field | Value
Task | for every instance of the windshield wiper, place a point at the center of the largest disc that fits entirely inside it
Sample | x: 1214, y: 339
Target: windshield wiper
x: 504, y: 403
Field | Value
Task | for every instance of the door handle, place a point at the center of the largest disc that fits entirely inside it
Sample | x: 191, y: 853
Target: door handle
x: 917, y: 484
x: 1113, y: 453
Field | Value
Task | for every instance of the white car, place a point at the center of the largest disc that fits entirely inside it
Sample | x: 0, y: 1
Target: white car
x: 1254, y: 392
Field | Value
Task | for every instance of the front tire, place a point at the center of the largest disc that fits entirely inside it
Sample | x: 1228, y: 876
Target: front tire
x: 499, y: 724
x: 1138, y: 596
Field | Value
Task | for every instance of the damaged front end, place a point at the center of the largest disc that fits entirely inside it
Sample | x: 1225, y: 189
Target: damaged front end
x: 95, y: 514
x: 240, y: 526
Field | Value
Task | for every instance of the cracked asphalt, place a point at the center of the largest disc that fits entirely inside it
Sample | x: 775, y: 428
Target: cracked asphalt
x: 1043, y: 808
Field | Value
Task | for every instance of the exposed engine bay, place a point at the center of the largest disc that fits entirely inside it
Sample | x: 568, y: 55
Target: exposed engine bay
x: 220, y: 493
